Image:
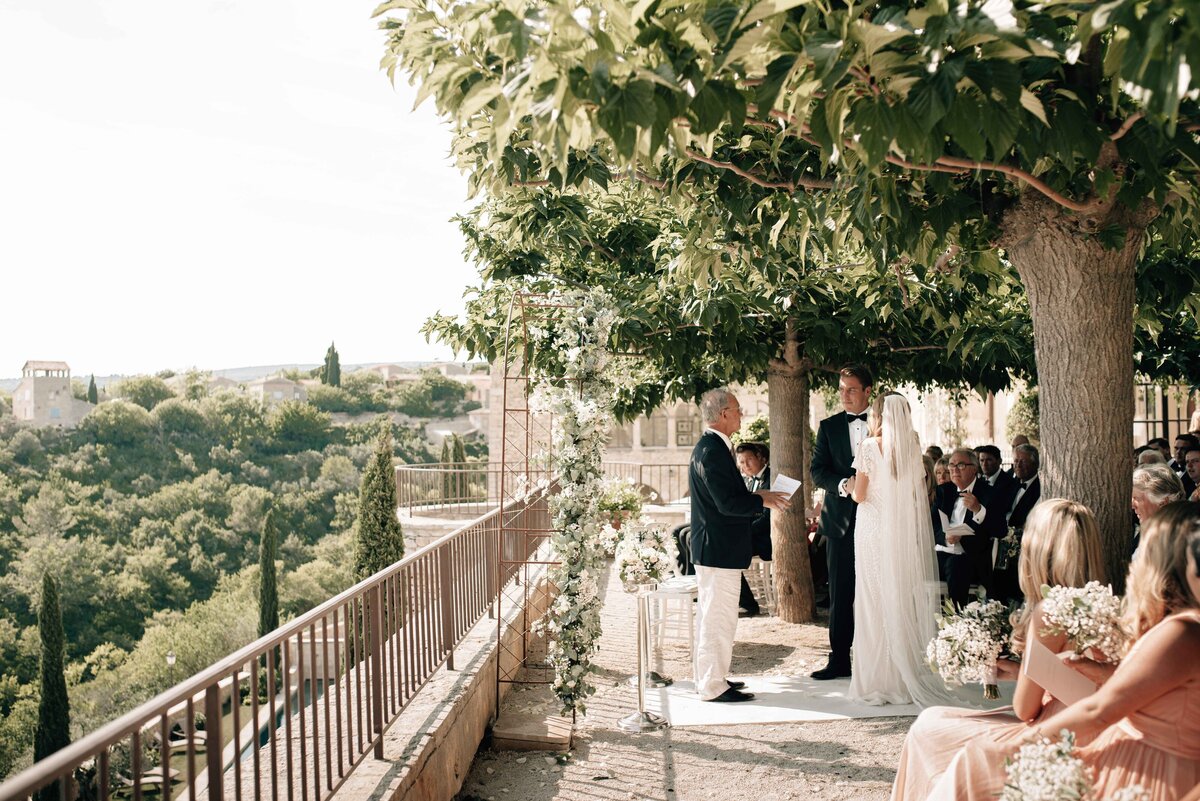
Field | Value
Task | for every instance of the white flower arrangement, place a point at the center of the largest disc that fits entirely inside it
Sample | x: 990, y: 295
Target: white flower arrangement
x: 1047, y: 771
x: 1090, y: 617
x: 969, y: 642
x: 610, y: 538
x: 646, y: 554
x: 572, y: 385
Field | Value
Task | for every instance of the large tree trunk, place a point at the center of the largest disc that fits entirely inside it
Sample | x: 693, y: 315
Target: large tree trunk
x: 1081, y: 296
x: 787, y: 396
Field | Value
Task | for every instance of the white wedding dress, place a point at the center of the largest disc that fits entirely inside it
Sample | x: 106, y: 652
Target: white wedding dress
x: 896, y: 595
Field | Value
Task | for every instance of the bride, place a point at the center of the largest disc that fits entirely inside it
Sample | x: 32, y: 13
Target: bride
x: 896, y: 578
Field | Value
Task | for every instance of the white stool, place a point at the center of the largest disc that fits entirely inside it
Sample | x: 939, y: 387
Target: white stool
x: 673, y: 612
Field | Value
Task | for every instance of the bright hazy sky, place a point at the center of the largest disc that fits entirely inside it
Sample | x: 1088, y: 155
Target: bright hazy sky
x: 216, y: 183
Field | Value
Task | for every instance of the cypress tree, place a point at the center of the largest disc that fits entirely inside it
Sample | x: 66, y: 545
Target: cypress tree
x: 331, y: 373
x: 54, y: 712
x: 379, y: 541
x: 268, y: 593
x: 460, y: 467
x: 447, y: 486
x: 93, y: 396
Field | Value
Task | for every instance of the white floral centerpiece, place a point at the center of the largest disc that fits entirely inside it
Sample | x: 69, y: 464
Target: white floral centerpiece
x: 645, y: 555
x: 969, y: 642
x: 610, y: 538
x: 1090, y: 617
x: 620, y: 500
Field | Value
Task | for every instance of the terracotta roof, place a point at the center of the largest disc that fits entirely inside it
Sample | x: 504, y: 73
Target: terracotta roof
x: 36, y: 365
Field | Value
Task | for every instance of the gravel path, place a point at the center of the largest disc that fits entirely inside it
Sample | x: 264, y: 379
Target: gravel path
x: 851, y: 759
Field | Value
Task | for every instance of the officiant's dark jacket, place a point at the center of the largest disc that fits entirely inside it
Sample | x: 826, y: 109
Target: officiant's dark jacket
x: 723, y: 509
x: 979, y: 547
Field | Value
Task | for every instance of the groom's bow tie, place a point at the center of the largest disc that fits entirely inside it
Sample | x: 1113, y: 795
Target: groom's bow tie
x: 862, y: 416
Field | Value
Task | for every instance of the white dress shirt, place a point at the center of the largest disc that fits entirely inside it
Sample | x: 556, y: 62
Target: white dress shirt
x: 858, y: 433
x: 959, y: 515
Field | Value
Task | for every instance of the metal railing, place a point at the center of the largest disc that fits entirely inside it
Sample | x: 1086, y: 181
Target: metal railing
x: 307, y: 702
x: 664, y: 483
x: 459, y: 488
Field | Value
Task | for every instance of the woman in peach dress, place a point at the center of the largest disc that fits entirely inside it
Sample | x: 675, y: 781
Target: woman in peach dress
x: 1060, y: 547
x: 1143, y: 725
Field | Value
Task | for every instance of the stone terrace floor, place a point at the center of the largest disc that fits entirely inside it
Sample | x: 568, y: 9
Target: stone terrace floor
x: 852, y: 759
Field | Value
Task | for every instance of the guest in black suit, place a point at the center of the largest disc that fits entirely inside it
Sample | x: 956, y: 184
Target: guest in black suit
x: 1026, y: 461
x: 1183, y: 443
x: 1000, y: 480
x: 754, y: 462
x: 1191, y: 471
x: 966, y: 501
x: 721, y: 546
x: 838, y: 439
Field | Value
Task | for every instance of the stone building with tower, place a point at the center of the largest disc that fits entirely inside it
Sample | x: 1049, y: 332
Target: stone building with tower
x: 43, y: 398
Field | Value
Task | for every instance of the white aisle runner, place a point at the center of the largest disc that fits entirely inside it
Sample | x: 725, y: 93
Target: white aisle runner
x: 788, y: 699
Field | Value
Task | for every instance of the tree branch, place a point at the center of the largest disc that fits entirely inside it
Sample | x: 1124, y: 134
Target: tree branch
x: 806, y: 183
x: 1125, y: 126
x: 1020, y: 175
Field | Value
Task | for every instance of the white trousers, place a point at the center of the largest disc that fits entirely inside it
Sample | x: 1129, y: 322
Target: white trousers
x: 716, y: 624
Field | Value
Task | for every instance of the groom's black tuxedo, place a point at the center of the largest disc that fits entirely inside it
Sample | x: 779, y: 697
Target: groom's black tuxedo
x: 975, y: 565
x: 722, y: 508
x: 832, y: 460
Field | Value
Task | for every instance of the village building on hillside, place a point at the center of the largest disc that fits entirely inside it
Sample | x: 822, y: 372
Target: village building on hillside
x: 274, y: 390
x: 43, y: 398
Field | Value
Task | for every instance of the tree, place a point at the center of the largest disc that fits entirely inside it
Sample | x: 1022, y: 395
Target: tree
x: 787, y: 321
x: 93, y: 396
x: 54, y: 713
x: 1060, y: 136
x: 459, y: 457
x: 447, y: 483
x: 379, y: 541
x: 331, y: 372
x: 146, y: 391
x: 268, y: 594
x: 296, y: 425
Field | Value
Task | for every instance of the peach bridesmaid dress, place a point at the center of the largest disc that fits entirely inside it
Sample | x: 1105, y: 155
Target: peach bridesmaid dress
x: 1157, y: 747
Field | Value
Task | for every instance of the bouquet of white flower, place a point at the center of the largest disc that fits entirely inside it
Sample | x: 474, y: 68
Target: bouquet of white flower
x: 645, y: 554
x: 1089, y: 616
x: 609, y: 539
x: 1047, y: 771
x: 969, y: 642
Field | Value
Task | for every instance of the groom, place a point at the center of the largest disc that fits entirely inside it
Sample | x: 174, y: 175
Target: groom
x: 838, y: 439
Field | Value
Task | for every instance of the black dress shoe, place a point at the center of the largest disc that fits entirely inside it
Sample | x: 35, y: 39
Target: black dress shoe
x: 731, y: 695
x: 831, y: 672
x: 737, y: 685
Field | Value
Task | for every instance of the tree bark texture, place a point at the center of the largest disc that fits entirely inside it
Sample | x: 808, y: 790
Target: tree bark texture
x: 787, y: 396
x: 1081, y: 297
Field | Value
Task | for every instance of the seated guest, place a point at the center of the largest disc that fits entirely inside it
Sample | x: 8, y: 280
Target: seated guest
x: 1183, y: 444
x: 939, y: 536
x: 753, y: 460
x: 1142, y: 726
x: 966, y: 501
x: 1150, y: 455
x: 1191, y: 471
x: 934, y: 452
x: 941, y: 471
x: 1017, y: 441
x: 1154, y: 486
x: 989, y: 469
x: 1062, y: 549
x: 1027, y: 491
x: 1162, y: 446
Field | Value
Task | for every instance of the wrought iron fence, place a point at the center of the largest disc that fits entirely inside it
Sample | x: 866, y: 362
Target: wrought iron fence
x: 661, y: 483
x: 458, y: 488
x: 304, y: 704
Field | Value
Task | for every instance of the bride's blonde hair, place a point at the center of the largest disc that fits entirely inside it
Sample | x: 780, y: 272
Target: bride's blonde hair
x: 1060, y: 547
x: 875, y: 413
x: 1157, y: 584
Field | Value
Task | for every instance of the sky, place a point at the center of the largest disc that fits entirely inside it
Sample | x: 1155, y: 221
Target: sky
x: 217, y: 184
